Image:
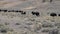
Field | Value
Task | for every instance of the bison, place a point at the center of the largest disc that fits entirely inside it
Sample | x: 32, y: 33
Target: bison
x: 53, y: 14
x: 0, y: 10
x: 35, y: 13
x: 54, y: 31
x: 20, y: 11
x: 4, y: 10
x: 23, y: 12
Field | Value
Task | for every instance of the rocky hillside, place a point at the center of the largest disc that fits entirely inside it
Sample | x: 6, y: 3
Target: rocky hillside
x: 29, y: 17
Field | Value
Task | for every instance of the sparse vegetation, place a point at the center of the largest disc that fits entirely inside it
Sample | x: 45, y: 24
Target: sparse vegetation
x: 54, y: 31
x: 35, y: 13
x: 6, y: 23
x: 47, y: 25
x: 29, y: 17
x: 17, y: 24
x: 45, y: 30
x: 3, y: 31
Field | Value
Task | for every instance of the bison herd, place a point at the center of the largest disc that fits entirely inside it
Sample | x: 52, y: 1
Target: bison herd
x: 54, y: 14
x: 33, y: 13
x: 22, y: 12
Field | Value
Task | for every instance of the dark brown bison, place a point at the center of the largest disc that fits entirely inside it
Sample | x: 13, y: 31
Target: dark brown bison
x: 0, y: 10
x: 4, y: 10
x: 23, y: 12
x: 35, y: 13
x: 53, y: 14
x: 58, y: 14
x: 20, y: 11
